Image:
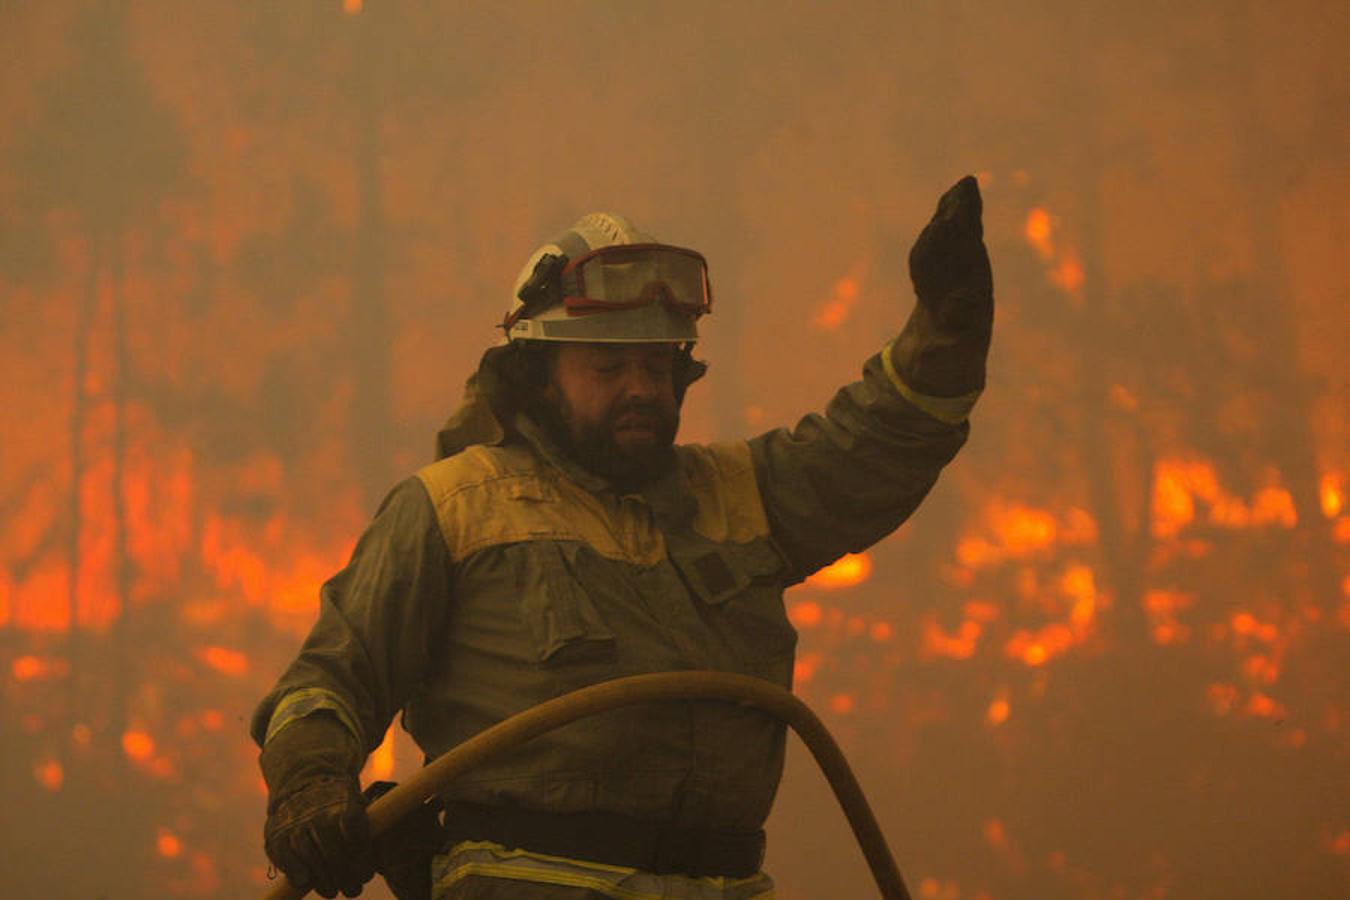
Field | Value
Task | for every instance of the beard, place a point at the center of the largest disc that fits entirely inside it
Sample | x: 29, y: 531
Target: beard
x: 593, y: 444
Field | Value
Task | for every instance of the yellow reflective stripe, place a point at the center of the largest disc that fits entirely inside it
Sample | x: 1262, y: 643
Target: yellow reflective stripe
x: 303, y: 701
x: 952, y: 410
x: 543, y: 876
x: 495, y: 861
x: 501, y: 851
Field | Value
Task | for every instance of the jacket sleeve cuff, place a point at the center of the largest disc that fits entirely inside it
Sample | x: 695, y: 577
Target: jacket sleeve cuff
x: 305, y: 701
x: 952, y: 410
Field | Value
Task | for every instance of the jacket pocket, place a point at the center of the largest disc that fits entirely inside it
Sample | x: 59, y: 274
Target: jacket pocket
x: 742, y: 585
x: 563, y: 622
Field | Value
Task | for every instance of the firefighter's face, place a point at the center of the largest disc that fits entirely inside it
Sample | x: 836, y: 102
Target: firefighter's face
x: 618, y: 403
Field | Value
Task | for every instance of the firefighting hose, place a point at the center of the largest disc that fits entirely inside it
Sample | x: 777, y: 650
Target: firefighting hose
x: 388, y: 809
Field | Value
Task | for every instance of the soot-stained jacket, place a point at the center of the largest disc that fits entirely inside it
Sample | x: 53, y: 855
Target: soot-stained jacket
x: 504, y: 575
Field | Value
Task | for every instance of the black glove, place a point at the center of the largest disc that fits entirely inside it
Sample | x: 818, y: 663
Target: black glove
x: 942, y: 350
x: 317, y: 832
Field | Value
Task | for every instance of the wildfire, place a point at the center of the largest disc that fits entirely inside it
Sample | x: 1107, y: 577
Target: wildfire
x: 1162, y: 608
x: 33, y: 668
x: 380, y: 766
x: 168, y: 844
x: 1018, y: 531
x: 835, y: 311
x: 999, y: 709
x: 1332, y: 494
x: 138, y: 746
x: 849, y: 570
x: 1065, y: 270
x: 1179, y: 484
x: 50, y: 774
x: 226, y: 662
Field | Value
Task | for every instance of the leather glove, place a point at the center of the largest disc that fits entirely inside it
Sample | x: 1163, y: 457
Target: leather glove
x: 317, y: 832
x: 941, y: 351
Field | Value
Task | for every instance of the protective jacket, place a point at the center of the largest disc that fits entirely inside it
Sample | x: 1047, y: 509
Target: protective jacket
x: 504, y: 575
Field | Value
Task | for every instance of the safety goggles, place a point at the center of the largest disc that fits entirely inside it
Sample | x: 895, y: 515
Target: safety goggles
x: 626, y: 276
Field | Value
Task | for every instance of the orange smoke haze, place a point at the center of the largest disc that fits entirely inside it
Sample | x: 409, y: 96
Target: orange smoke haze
x: 249, y: 254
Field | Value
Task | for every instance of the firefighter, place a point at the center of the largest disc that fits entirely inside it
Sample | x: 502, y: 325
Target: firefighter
x: 562, y: 539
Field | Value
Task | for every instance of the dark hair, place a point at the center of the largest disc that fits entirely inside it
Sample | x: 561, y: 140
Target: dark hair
x: 515, y: 376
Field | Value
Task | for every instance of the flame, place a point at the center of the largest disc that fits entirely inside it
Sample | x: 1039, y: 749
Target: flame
x: 1179, y: 483
x: 805, y: 614
x: 934, y: 641
x: 138, y: 746
x: 168, y: 845
x: 352, y: 7
x: 33, y: 668
x: 49, y: 774
x: 999, y: 710
x: 1037, y: 647
x: 226, y: 662
x: 1018, y: 531
x: 1332, y: 495
x: 1064, y: 269
x: 841, y: 704
x: 849, y: 570
x: 804, y: 669
x: 835, y: 311
x: 381, y: 763
x: 1038, y: 230
x: 1162, y: 607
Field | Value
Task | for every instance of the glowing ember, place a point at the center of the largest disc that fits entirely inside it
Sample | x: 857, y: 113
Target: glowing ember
x: 1038, y: 230
x: 352, y: 7
x: 1035, y: 648
x: 998, y: 712
x: 381, y: 762
x: 49, y: 774
x: 841, y: 704
x: 168, y: 844
x: 1179, y: 484
x: 881, y: 632
x: 32, y: 668
x: 1068, y: 274
x: 934, y: 641
x: 1332, y: 494
x: 1017, y: 531
x: 226, y: 662
x: 805, y: 614
x: 804, y: 669
x: 138, y: 745
x: 1162, y: 608
x: 849, y: 570
x: 835, y: 311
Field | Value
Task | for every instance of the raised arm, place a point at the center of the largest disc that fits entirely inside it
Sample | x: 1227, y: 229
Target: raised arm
x: 839, y: 482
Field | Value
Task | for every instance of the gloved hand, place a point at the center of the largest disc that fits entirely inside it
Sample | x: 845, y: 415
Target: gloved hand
x: 941, y: 351
x: 316, y: 831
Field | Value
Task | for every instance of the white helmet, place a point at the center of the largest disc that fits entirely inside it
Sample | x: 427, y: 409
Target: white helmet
x: 603, y: 280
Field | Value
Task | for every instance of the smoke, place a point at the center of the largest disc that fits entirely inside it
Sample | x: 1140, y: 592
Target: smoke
x: 250, y: 252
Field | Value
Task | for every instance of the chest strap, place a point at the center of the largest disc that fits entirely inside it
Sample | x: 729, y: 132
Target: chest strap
x: 610, y: 839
